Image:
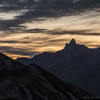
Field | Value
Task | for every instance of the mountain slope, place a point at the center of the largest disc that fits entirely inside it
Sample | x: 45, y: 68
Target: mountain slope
x: 34, y: 83
x: 75, y: 63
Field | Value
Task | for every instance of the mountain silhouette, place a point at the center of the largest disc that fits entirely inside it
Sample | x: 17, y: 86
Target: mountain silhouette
x: 75, y: 63
x: 20, y: 82
x: 72, y: 42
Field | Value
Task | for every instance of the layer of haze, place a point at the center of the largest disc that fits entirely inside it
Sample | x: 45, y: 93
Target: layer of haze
x: 29, y: 27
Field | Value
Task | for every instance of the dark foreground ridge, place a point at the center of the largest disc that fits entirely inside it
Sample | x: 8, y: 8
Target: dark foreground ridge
x: 75, y: 63
x: 20, y: 82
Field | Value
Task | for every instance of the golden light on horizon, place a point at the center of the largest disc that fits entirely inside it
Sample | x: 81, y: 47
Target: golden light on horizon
x: 57, y: 43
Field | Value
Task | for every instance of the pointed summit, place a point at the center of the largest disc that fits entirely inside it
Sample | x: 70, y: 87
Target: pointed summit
x: 72, y: 42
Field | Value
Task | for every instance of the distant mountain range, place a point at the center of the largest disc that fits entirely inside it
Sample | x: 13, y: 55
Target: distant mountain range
x: 75, y: 63
x: 20, y: 82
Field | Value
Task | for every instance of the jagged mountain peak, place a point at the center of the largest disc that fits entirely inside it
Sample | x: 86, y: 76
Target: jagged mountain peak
x: 72, y: 42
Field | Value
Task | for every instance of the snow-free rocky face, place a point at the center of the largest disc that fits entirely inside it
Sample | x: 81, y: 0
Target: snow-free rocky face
x: 19, y: 82
x: 75, y: 63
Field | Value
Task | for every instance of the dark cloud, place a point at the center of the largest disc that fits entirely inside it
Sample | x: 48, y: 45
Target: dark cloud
x: 24, y: 42
x: 34, y: 30
x: 17, y: 51
x: 41, y: 10
x: 96, y: 46
x: 57, y: 40
x: 80, y: 32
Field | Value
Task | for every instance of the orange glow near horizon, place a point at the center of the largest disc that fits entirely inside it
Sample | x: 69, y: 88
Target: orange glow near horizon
x: 45, y: 45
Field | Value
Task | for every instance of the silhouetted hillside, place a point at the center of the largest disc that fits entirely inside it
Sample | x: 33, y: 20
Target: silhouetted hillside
x: 20, y: 82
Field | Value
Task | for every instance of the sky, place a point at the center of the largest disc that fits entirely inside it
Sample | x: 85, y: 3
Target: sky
x: 30, y: 27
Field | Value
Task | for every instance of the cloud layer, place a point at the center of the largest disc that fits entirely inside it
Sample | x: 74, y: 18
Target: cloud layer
x: 32, y: 10
x: 25, y: 25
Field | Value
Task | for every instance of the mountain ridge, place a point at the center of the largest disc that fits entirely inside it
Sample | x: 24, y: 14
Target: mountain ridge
x: 70, y: 63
